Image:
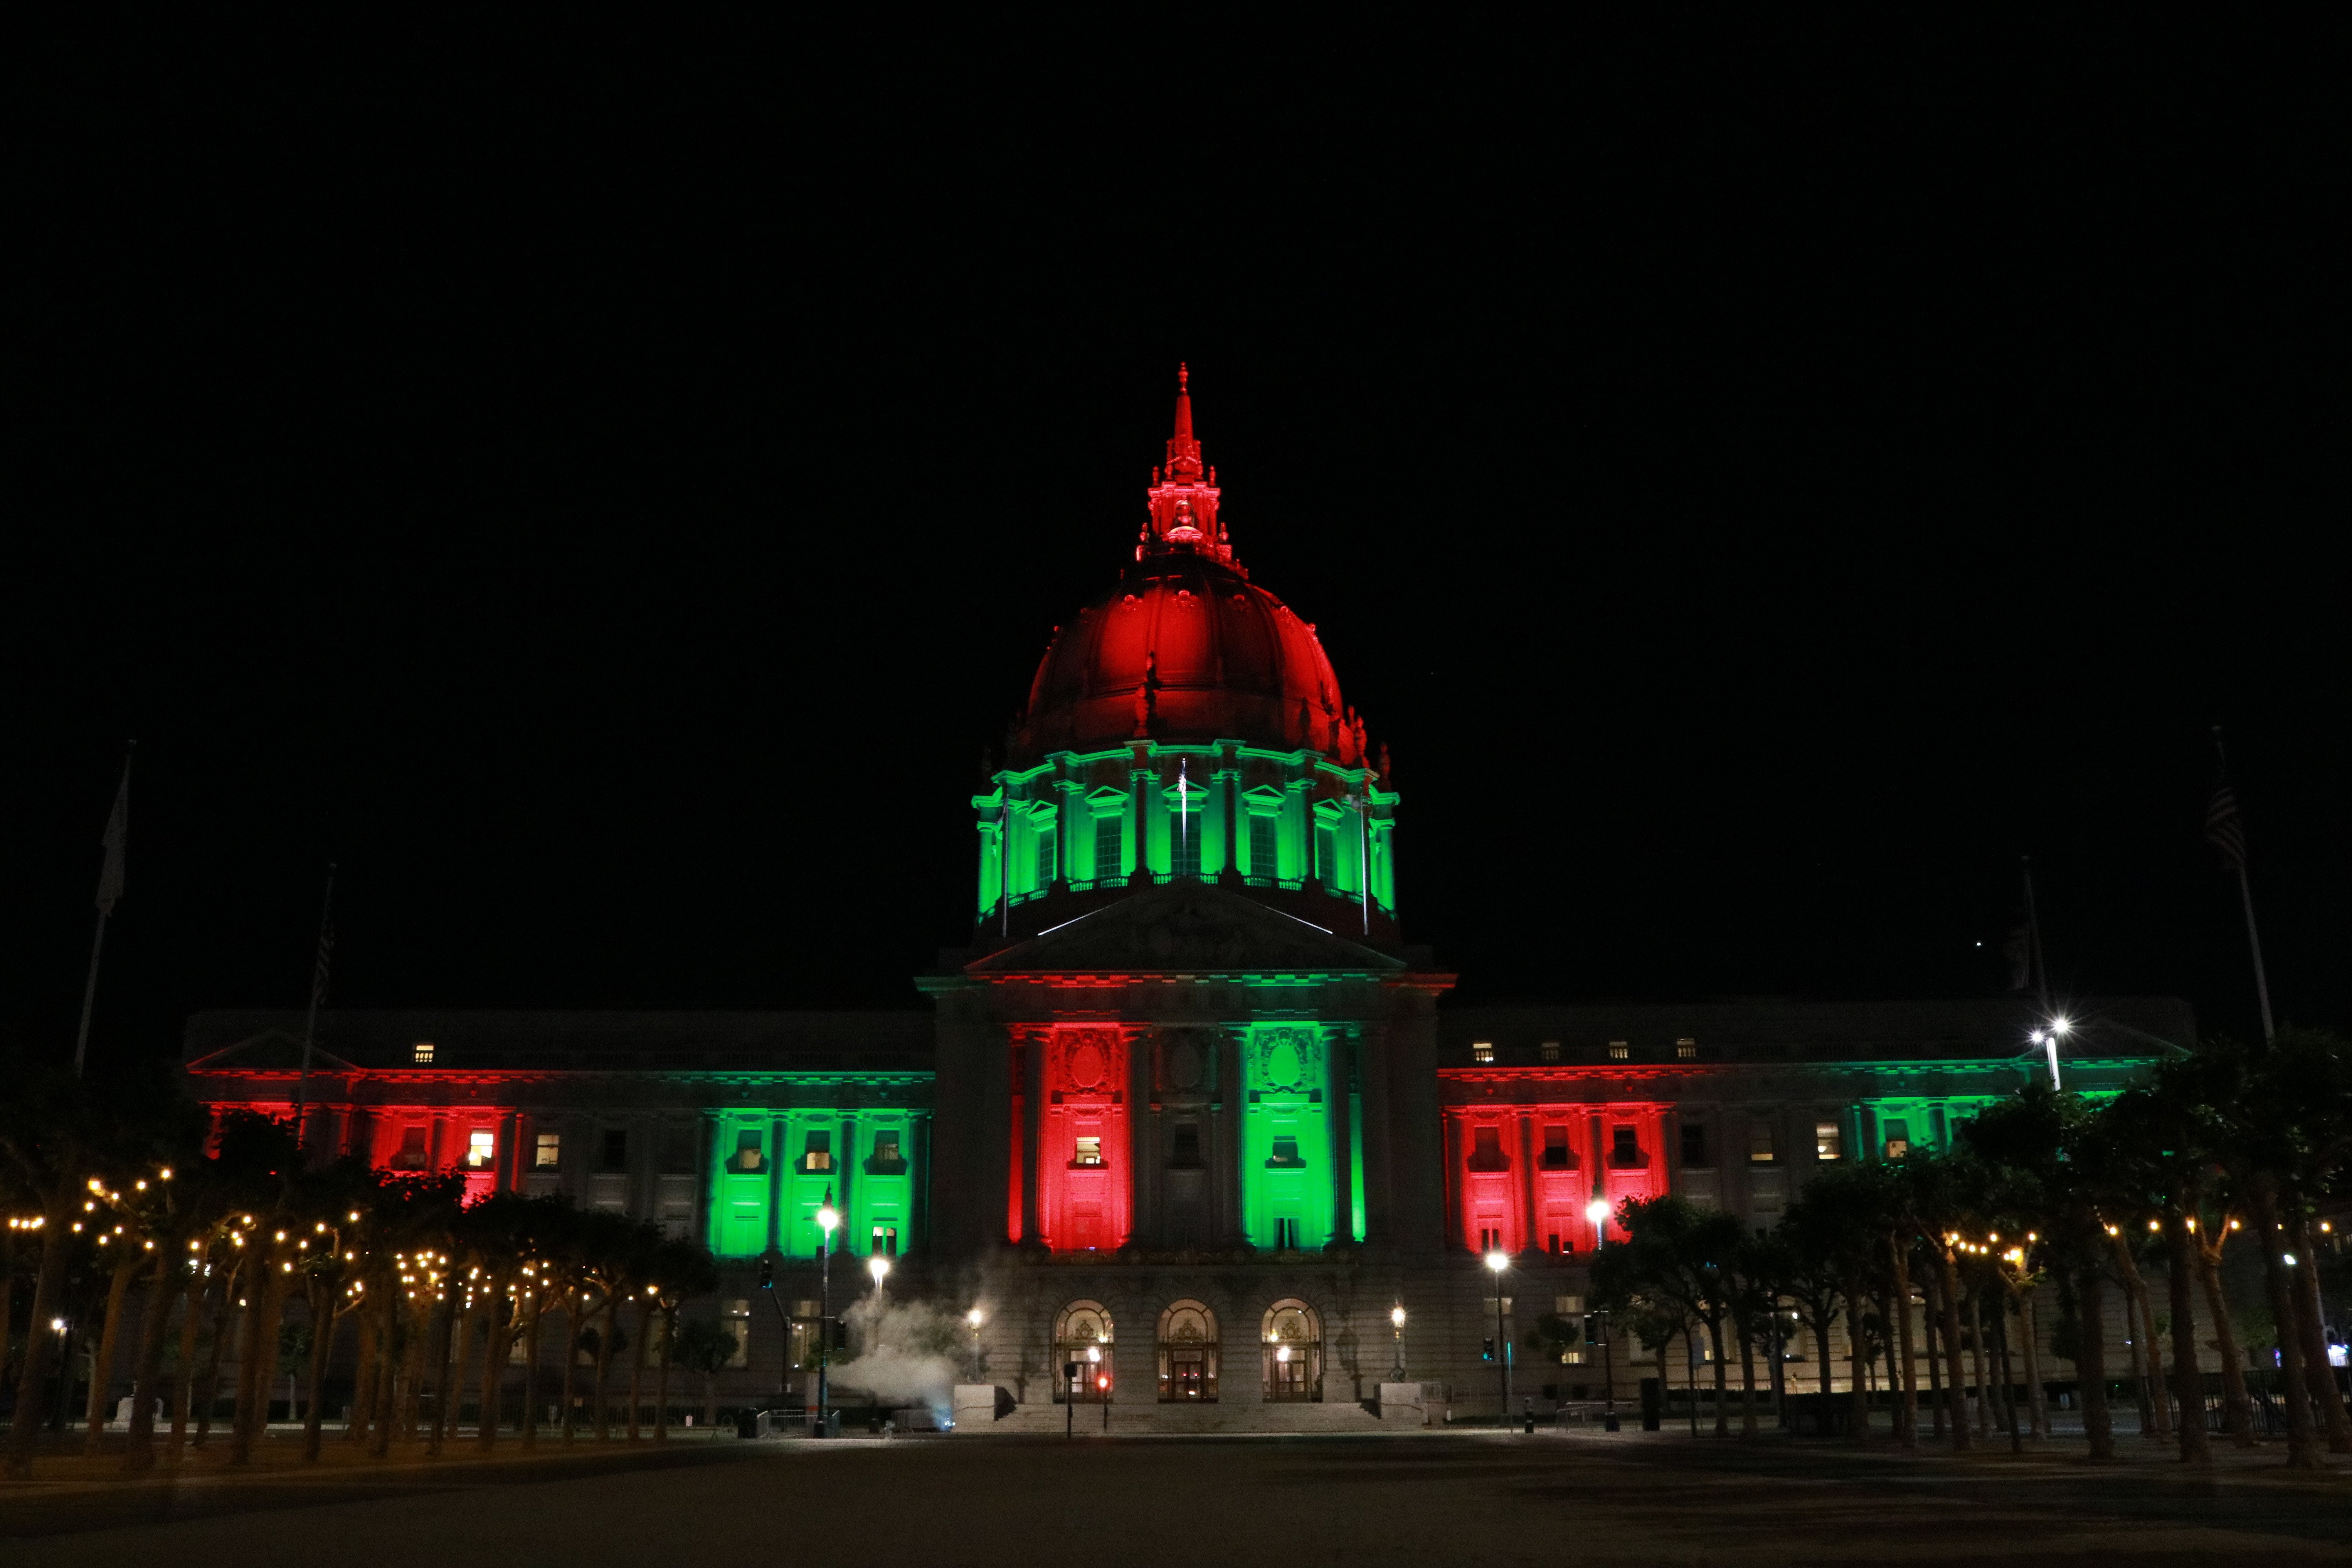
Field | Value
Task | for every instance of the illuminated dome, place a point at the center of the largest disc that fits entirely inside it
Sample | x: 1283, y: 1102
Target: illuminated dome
x: 1185, y: 727
x: 1184, y: 647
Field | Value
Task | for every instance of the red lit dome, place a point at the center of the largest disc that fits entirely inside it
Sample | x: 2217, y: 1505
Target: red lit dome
x: 1185, y: 647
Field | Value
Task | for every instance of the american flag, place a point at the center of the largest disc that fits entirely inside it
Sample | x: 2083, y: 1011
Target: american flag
x: 2223, y: 829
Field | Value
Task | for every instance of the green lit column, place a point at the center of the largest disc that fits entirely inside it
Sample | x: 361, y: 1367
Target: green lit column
x: 1336, y: 1051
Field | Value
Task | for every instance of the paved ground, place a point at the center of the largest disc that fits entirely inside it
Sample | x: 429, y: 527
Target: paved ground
x: 1422, y: 1498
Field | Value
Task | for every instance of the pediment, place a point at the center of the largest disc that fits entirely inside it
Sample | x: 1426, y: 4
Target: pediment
x: 272, y: 1050
x: 1186, y: 926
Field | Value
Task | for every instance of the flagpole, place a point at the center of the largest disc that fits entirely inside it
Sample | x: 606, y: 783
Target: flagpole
x: 2245, y: 893
x: 2033, y: 928
x: 318, y: 996
x: 109, y: 888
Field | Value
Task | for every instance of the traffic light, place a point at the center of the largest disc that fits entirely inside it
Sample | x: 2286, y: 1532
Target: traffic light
x: 1486, y: 1351
x: 767, y: 1274
x: 1592, y: 1326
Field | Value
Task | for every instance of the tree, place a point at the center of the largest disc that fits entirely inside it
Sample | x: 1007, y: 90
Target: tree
x: 701, y: 1346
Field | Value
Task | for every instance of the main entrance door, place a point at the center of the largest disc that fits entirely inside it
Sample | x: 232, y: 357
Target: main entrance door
x: 1188, y: 1354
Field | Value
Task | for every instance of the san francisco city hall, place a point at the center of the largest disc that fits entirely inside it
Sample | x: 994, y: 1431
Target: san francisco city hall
x: 1188, y: 1109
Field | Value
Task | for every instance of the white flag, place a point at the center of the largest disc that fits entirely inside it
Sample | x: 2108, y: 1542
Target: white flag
x: 118, y: 831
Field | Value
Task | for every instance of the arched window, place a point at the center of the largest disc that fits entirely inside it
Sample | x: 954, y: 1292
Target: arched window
x: 1292, y: 1340
x: 1188, y: 1354
x: 1082, y: 1338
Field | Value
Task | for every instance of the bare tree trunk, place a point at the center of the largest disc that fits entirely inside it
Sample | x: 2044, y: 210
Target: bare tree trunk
x: 1747, y: 1378
x: 637, y: 1368
x: 496, y: 1331
x: 1934, y: 1355
x: 382, y: 1411
x: 191, y: 1313
x: 574, y: 1322
x: 2153, y: 1406
x: 1722, y: 1380
x: 258, y: 1356
x: 109, y: 1340
x: 2092, y: 1367
x: 356, y: 1430
x: 604, y: 1365
x: 1857, y: 1344
x: 146, y: 1362
x: 2037, y: 1398
x: 661, y: 1377
x: 2237, y: 1409
x: 2302, y: 1450
x: 32, y: 1382
x: 442, y: 1331
x: 1906, y: 1413
x: 1822, y: 1326
x: 2189, y: 1383
x: 711, y: 1397
x: 234, y: 1267
x: 2318, y: 1371
x: 318, y: 1295
x: 1977, y: 1363
x: 530, y: 1375
x: 2132, y: 1340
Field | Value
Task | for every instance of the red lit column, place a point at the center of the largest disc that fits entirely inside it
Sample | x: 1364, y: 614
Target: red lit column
x: 1530, y: 1238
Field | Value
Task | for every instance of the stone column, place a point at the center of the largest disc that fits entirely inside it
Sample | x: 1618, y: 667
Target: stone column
x: 1456, y: 1235
x: 1225, y: 1117
x: 1032, y: 1074
x: 779, y: 1160
x: 1530, y: 1239
x: 1372, y: 1068
x: 1338, y: 1051
x: 1143, y: 1144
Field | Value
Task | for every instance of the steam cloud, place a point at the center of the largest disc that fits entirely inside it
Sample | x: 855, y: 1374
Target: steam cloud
x: 905, y: 1353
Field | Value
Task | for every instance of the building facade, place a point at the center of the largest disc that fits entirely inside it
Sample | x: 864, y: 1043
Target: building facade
x: 1187, y: 1110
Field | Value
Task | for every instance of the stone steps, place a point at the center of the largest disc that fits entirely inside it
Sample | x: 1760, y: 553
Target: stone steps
x: 1045, y: 1419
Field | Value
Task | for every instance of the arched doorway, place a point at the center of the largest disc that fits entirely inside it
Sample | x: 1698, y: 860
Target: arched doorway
x: 1292, y: 1340
x: 1082, y: 1337
x: 1188, y: 1354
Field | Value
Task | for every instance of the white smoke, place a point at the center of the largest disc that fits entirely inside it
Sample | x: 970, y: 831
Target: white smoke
x: 905, y: 1353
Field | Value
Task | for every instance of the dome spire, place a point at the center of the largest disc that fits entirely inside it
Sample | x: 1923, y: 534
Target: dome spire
x: 1183, y: 494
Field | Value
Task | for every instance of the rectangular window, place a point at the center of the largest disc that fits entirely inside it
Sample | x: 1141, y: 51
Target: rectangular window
x: 1285, y: 1236
x: 422, y: 1053
x: 1549, y: 1050
x: 1089, y: 1149
x: 1827, y: 1142
x: 1109, y: 832
x: 1049, y: 856
x: 1898, y: 1139
x: 678, y: 1147
x: 1686, y: 1050
x: 749, y: 1158
x: 547, y: 1151
x: 1759, y: 1144
x: 1482, y: 1050
x: 1285, y: 1152
x: 1556, y: 1155
x: 1619, y: 1051
x: 1625, y: 1147
x: 1487, y: 1149
x: 1695, y: 1146
x: 1326, y: 855
x: 1264, y: 856
x: 1490, y: 1239
x: 616, y: 1149
x: 738, y: 1324
x: 816, y: 1151
x: 885, y: 1241
x: 1184, y: 1149
x: 886, y: 1158
x: 481, y: 1148
x: 412, y: 1156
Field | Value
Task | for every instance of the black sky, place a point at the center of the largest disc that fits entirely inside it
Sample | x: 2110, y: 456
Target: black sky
x: 1758, y: 498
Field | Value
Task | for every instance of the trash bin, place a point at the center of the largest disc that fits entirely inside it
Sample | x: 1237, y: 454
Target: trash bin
x: 747, y: 1423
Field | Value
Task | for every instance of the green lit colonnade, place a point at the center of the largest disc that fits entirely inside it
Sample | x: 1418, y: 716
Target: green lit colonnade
x: 864, y: 1138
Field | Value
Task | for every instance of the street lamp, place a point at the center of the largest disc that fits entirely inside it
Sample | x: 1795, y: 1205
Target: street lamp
x: 2048, y: 1040
x: 828, y: 1219
x: 973, y: 1317
x: 878, y: 1265
x: 1597, y: 1211
x: 1607, y: 1372
x: 1499, y: 1260
x: 1396, y: 1317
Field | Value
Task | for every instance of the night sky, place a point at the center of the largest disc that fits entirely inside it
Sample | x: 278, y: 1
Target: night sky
x: 611, y: 517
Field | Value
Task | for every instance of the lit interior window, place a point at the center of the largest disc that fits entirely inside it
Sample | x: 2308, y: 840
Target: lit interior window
x: 481, y: 1148
x: 424, y: 1053
x: 1482, y: 1051
x: 1827, y: 1142
x: 1551, y: 1050
x: 1686, y: 1050
x: 547, y: 1151
x: 1619, y: 1051
x: 1089, y: 1152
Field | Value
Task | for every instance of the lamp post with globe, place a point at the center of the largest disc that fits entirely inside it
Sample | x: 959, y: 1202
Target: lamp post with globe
x: 828, y: 1219
x: 1597, y: 1213
x: 974, y: 1318
x: 1396, y: 1318
x: 1499, y: 1260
